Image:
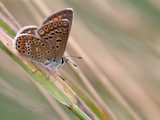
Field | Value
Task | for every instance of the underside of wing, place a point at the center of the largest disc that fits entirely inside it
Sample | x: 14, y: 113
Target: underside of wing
x: 28, y: 30
x: 62, y: 14
x: 56, y: 36
x: 55, y: 31
x: 32, y: 47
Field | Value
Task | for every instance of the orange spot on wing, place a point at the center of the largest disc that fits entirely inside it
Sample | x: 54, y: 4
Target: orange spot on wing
x: 56, y: 19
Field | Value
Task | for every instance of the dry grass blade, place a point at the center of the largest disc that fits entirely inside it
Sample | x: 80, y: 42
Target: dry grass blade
x: 9, y: 19
x: 53, y: 103
x: 102, y: 79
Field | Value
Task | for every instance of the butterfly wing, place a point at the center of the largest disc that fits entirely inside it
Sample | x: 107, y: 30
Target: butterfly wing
x: 32, y: 47
x: 55, y: 31
x: 28, y: 30
x: 62, y: 14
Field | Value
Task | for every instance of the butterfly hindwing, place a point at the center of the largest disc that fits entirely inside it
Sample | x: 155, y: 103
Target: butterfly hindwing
x: 28, y: 30
x: 32, y: 47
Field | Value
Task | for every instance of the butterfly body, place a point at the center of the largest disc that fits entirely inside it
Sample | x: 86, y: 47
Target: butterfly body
x: 46, y: 44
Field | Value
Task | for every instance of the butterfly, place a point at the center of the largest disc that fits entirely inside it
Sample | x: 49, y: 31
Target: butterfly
x: 46, y: 44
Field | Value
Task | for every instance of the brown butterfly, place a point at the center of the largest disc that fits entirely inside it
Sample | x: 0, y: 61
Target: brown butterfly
x: 46, y: 44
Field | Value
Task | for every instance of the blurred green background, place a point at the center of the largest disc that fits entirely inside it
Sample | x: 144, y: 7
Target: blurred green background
x: 119, y: 41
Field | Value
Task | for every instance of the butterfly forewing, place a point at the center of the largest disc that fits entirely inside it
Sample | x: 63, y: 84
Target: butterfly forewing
x: 32, y: 47
x: 63, y: 14
x: 55, y: 31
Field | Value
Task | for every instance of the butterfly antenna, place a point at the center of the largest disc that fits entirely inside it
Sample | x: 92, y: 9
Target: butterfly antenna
x: 74, y: 64
x: 77, y: 57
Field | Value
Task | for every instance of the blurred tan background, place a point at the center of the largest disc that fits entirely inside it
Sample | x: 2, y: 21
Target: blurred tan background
x: 119, y: 41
